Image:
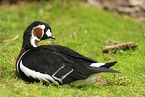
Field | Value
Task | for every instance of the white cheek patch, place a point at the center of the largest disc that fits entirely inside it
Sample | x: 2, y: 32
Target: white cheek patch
x: 97, y: 64
x: 59, y: 71
x: 48, y: 33
x: 31, y: 73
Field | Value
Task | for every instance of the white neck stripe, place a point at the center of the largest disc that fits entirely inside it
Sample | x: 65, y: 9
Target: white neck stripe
x: 31, y: 73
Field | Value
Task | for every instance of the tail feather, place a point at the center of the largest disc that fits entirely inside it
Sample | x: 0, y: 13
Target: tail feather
x: 108, y: 65
x: 102, y: 69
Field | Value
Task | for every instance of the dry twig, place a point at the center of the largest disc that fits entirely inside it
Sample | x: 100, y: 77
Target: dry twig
x: 120, y: 46
x: 12, y: 39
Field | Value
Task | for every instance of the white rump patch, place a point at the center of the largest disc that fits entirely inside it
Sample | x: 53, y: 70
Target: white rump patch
x: 34, y: 74
x: 97, y: 64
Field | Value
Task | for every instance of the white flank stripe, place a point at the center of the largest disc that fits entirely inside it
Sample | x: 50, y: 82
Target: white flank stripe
x: 64, y: 76
x: 97, y: 64
x: 35, y: 74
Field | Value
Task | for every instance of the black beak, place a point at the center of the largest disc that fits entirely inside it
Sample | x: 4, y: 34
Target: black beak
x: 53, y: 37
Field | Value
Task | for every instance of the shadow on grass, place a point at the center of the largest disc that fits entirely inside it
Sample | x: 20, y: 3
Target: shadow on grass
x: 98, y: 83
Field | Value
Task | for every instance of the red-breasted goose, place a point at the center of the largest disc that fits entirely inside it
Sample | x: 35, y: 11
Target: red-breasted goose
x: 54, y: 63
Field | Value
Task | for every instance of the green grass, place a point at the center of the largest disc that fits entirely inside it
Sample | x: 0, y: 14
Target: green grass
x: 66, y: 19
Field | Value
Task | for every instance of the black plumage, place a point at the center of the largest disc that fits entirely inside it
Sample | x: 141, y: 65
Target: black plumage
x: 56, y: 64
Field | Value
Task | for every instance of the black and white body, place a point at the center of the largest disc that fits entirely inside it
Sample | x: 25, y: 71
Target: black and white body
x: 54, y: 63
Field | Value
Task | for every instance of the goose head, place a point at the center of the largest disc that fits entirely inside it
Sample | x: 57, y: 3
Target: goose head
x: 34, y: 33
